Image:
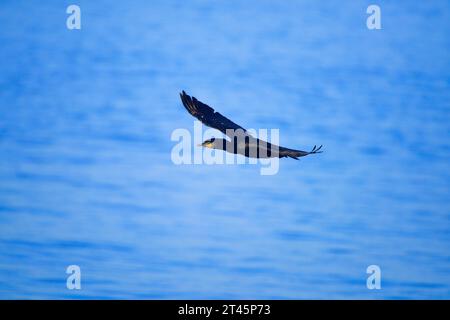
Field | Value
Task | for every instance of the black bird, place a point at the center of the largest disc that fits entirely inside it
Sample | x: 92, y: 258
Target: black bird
x: 241, y: 141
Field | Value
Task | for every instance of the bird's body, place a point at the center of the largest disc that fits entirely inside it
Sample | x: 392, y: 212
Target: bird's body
x: 240, y: 142
x: 253, y: 148
x: 245, y: 145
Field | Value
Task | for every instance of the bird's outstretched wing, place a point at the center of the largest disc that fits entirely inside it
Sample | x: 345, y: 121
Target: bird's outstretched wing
x: 207, y: 115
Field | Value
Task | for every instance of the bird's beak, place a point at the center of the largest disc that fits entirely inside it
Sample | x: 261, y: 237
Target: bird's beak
x: 206, y: 145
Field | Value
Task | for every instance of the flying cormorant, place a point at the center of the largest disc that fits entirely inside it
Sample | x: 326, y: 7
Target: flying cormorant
x: 241, y: 142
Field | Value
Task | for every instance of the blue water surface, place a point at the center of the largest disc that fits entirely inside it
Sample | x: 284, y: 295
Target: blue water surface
x: 86, y: 175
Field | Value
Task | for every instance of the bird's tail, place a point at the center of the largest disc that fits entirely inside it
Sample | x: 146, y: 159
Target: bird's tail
x: 295, y: 154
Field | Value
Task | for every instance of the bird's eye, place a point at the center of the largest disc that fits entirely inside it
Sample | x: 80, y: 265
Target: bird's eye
x: 212, y: 139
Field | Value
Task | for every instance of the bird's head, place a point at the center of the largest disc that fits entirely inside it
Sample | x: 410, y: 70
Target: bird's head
x: 208, y: 143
